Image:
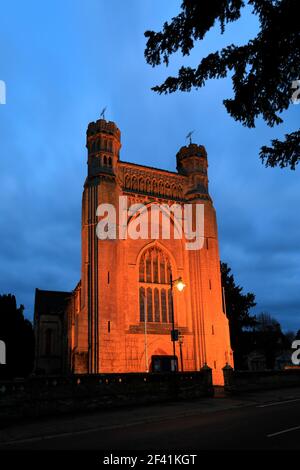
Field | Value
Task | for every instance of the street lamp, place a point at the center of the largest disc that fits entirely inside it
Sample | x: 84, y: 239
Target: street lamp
x: 180, y: 341
x: 145, y: 331
x: 179, y: 284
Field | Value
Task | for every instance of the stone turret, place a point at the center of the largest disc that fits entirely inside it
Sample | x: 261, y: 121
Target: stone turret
x: 192, y: 162
x: 103, y: 143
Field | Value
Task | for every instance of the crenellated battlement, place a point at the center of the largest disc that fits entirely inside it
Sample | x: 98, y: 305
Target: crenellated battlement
x: 103, y: 144
x: 103, y: 126
x: 192, y: 159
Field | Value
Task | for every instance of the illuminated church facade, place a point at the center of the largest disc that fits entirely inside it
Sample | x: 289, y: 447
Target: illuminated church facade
x: 120, y: 316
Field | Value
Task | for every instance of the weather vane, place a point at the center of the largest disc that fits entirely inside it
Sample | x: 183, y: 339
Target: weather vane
x: 102, y: 114
x: 189, y: 136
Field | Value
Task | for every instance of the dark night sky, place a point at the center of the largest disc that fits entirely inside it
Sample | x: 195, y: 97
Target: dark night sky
x: 63, y: 61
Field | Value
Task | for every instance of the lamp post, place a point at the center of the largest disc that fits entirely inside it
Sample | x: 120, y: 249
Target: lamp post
x: 179, y: 284
x: 145, y: 332
x: 180, y: 341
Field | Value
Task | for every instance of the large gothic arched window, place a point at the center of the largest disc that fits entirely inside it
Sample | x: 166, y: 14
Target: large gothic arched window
x: 154, y: 287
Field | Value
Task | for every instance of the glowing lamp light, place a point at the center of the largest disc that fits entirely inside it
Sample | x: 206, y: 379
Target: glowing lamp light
x: 180, y: 285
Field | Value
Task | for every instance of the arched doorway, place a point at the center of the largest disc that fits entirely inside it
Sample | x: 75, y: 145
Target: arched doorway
x: 163, y: 364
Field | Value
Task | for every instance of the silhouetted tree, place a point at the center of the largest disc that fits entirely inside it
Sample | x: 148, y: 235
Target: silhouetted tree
x: 263, y: 71
x: 289, y: 337
x: 268, y: 337
x: 17, y: 334
x: 238, y: 306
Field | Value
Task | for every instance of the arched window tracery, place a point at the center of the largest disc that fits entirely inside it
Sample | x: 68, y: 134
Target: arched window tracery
x: 154, y: 286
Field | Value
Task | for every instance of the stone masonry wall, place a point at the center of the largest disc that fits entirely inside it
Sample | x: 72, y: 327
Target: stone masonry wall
x: 42, y: 396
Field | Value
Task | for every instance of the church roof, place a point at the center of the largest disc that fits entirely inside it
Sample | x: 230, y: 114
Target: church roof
x: 49, y: 302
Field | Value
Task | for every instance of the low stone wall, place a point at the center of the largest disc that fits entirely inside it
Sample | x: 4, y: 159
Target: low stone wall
x: 246, y: 381
x: 41, y: 396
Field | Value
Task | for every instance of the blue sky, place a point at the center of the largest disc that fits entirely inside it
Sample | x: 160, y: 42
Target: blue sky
x: 62, y: 62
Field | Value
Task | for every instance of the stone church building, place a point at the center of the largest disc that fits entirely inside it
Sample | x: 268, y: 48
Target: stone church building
x: 120, y: 315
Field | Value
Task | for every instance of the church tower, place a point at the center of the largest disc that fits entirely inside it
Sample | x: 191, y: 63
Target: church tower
x: 211, y: 323
x: 123, y: 318
x: 103, y: 144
